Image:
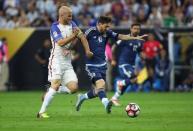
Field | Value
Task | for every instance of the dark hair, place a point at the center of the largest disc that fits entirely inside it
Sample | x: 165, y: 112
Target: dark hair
x: 135, y: 24
x: 104, y: 19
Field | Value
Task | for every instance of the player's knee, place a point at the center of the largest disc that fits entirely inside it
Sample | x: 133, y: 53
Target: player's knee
x: 100, y: 83
x: 72, y: 86
x: 55, y: 84
x: 100, y: 86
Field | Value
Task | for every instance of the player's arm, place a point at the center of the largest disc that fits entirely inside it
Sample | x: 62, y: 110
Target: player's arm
x: 128, y: 37
x: 68, y: 39
x: 84, y: 42
x: 56, y: 34
x: 39, y: 59
x: 113, y: 61
x: 114, y: 48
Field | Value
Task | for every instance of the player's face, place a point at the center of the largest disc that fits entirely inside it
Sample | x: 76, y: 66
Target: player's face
x: 135, y: 30
x: 105, y: 26
x: 67, y: 16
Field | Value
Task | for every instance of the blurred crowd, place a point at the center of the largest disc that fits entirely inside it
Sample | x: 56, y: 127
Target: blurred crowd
x: 151, y: 13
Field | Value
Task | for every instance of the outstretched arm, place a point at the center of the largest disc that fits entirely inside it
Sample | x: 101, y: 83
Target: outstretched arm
x: 128, y: 37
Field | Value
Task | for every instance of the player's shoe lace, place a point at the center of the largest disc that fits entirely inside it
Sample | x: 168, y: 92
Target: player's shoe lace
x: 80, y: 99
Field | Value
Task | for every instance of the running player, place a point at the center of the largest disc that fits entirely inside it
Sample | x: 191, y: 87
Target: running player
x: 129, y: 51
x: 61, y: 72
x: 96, y: 67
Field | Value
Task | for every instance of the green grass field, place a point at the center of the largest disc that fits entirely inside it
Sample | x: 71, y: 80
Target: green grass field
x: 159, y: 112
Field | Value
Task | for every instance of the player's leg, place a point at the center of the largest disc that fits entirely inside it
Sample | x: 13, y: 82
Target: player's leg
x: 69, y: 82
x: 48, y: 98
x: 54, y: 77
x: 91, y: 93
x: 100, y: 91
x: 128, y: 77
x: 97, y: 76
x: 82, y: 97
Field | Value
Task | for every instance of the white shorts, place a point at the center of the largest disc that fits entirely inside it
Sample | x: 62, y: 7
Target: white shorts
x: 63, y: 72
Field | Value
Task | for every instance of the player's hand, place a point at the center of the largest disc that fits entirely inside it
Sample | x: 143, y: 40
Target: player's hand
x: 89, y: 54
x: 141, y: 37
x: 77, y: 32
x: 113, y: 63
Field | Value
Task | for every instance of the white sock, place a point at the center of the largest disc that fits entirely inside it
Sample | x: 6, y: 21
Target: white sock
x: 116, y: 96
x: 105, y: 102
x: 47, y: 99
x: 85, y: 96
x: 63, y: 89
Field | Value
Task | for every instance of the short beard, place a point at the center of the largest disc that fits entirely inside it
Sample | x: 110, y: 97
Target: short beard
x: 135, y: 34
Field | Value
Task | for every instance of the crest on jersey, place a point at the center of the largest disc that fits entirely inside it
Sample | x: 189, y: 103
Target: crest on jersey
x: 100, y: 39
x: 55, y: 34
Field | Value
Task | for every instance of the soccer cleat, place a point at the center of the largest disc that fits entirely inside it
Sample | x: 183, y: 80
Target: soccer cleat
x: 115, y: 102
x: 43, y: 115
x: 108, y: 107
x: 80, y: 99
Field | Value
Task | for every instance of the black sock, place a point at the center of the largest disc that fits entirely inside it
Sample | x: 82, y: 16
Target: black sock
x: 102, y: 94
x: 91, y: 94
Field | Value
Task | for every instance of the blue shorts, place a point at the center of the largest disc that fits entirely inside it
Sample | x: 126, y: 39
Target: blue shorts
x: 126, y: 71
x: 96, y: 73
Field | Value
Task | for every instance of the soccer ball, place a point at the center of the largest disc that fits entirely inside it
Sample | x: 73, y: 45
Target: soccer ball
x: 132, y: 110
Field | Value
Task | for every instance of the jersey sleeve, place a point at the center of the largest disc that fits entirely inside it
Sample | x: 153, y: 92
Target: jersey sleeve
x: 55, y: 33
x: 112, y: 35
x: 88, y: 33
x: 73, y: 24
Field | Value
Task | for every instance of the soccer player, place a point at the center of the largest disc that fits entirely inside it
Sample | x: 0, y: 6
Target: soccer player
x: 96, y: 67
x: 61, y: 72
x: 129, y: 51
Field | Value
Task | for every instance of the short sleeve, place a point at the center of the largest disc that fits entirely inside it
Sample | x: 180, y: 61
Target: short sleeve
x: 55, y: 33
x: 88, y: 33
x: 112, y: 35
x: 73, y: 24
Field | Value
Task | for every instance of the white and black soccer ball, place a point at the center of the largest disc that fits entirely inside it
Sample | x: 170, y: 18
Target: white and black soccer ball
x: 132, y: 110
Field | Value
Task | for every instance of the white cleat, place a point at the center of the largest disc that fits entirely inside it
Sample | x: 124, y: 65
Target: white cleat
x: 80, y: 99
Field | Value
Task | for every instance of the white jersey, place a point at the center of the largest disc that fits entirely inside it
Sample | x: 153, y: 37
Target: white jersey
x: 60, y: 66
x: 57, y: 32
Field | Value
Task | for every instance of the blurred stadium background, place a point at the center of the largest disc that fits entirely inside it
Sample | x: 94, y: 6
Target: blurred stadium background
x: 24, y: 26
